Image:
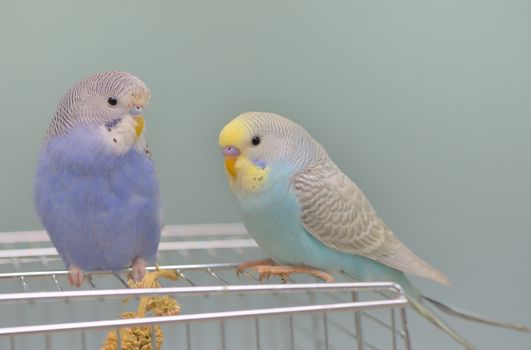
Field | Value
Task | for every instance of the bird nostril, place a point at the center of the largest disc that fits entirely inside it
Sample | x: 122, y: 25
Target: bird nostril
x: 136, y: 110
x: 231, y: 151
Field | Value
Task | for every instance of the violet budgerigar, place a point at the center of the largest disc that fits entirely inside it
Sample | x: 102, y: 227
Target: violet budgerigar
x: 96, y: 189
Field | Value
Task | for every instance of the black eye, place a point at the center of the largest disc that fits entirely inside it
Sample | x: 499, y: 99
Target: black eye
x: 256, y: 140
x: 112, y: 101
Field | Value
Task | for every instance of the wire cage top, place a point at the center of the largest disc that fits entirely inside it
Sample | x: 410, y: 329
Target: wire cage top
x: 219, y: 310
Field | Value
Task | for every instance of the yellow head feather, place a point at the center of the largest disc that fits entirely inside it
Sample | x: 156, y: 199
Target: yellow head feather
x: 233, y: 134
x: 244, y: 175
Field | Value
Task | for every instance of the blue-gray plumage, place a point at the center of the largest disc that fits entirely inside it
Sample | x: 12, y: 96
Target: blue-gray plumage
x: 96, y: 189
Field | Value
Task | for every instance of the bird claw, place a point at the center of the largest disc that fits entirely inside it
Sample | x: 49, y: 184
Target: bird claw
x: 326, y: 277
x: 263, y: 272
x: 266, y: 271
x: 138, y: 269
x: 75, y: 276
x: 252, y: 264
x: 267, y: 268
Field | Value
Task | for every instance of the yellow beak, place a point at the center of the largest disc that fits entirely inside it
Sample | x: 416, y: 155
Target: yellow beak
x: 139, y: 119
x: 230, y: 161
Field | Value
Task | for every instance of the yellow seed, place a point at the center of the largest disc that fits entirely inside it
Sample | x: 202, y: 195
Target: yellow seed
x: 140, y: 337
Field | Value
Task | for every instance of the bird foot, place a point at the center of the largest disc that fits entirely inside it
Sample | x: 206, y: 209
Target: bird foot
x: 139, y: 269
x: 253, y: 263
x: 267, y: 267
x: 75, y: 276
x: 265, y: 271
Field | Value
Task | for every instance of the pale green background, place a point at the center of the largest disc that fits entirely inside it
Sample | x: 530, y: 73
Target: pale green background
x: 426, y: 104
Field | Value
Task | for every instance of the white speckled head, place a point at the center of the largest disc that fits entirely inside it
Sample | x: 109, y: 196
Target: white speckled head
x: 99, y: 99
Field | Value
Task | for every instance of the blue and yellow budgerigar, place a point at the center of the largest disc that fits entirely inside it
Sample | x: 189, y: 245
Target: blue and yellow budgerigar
x: 96, y: 189
x: 308, y: 216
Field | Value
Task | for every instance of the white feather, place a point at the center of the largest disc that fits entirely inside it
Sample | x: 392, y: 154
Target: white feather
x: 120, y: 138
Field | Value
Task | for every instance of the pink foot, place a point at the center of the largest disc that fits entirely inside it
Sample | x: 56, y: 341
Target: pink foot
x: 264, y: 272
x: 251, y: 264
x: 75, y: 276
x: 139, y: 269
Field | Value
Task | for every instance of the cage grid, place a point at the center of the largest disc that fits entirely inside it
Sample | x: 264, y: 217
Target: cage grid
x: 218, y: 309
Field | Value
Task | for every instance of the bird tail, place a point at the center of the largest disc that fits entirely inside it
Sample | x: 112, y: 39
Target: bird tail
x: 476, y: 318
x: 415, y: 299
x: 425, y: 312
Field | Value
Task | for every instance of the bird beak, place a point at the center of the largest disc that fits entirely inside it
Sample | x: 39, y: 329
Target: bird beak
x: 137, y: 113
x: 231, y: 155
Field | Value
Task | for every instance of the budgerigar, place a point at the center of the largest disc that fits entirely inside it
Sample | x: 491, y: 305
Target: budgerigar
x: 308, y: 216
x: 96, y: 189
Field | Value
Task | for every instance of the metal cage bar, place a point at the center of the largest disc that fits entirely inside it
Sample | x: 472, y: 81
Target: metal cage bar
x: 19, y: 249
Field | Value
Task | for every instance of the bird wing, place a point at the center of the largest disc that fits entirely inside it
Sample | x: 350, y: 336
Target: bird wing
x: 336, y: 212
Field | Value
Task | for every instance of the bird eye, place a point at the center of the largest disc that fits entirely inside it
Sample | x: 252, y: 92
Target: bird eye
x: 255, y: 140
x: 112, y: 101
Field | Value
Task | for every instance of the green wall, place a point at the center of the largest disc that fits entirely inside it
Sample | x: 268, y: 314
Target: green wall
x: 426, y: 104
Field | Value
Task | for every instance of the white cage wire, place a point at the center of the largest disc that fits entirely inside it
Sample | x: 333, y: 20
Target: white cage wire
x: 218, y: 309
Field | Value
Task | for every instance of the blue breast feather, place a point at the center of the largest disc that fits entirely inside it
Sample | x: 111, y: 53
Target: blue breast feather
x: 101, y: 210
x: 272, y: 217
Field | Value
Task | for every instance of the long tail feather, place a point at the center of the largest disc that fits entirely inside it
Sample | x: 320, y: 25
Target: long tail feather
x: 436, y: 321
x: 476, y: 318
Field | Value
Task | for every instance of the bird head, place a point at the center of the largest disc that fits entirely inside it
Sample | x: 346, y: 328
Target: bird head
x: 255, y: 143
x: 112, y: 101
